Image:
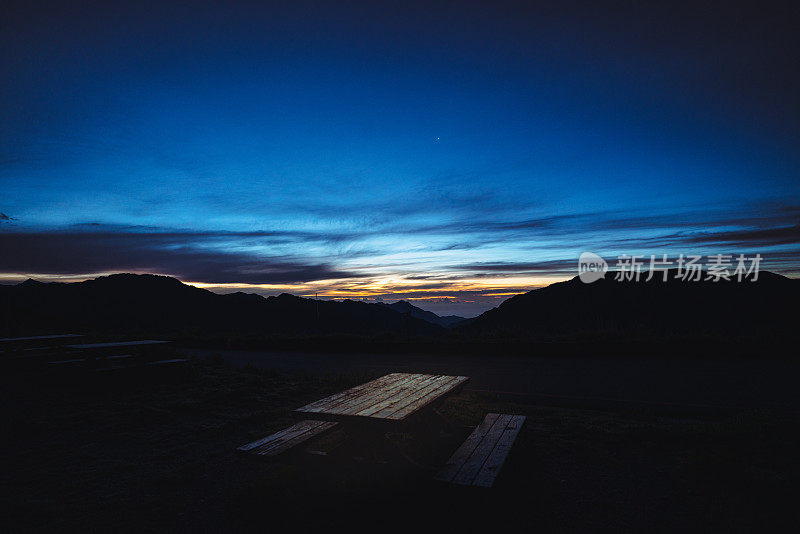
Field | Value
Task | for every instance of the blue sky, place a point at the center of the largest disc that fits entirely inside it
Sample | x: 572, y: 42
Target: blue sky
x: 452, y: 153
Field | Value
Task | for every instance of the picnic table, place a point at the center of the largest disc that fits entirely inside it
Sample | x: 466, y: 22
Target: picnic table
x: 400, y: 401
x: 394, y: 398
x: 397, y: 401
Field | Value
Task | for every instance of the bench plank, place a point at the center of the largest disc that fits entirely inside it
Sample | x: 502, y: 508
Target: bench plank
x: 491, y: 468
x: 453, y: 465
x: 476, y: 460
x: 287, y: 438
x: 479, y: 459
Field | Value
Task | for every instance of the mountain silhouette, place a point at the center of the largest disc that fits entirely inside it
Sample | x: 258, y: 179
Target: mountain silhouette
x: 150, y: 305
x: 403, y: 306
x: 672, y: 309
x: 160, y: 305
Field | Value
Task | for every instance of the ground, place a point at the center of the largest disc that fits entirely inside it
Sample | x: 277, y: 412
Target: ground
x: 156, y: 452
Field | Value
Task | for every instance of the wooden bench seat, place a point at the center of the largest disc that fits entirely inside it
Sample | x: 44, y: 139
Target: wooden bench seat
x: 287, y: 438
x: 478, y: 460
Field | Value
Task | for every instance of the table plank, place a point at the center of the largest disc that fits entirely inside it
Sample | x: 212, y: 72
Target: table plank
x: 430, y: 397
x: 411, y: 390
x: 391, y: 397
x: 332, y: 400
x: 370, y: 395
x: 437, y: 382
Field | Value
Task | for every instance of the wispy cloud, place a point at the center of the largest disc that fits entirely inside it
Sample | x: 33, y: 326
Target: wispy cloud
x: 184, y: 255
x: 553, y: 267
x: 477, y: 261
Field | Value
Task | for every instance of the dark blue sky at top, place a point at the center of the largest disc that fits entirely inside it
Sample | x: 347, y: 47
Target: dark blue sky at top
x: 429, y: 150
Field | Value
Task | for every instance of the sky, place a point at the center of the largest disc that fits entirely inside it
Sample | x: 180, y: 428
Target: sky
x: 448, y: 153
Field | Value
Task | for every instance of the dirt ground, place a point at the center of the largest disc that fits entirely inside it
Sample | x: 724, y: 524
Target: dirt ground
x: 156, y: 452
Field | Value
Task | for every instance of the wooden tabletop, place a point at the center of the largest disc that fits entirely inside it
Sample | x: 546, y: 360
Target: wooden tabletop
x: 393, y: 397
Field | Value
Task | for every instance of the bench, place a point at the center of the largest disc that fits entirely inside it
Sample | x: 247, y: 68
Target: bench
x: 478, y: 460
x: 287, y: 438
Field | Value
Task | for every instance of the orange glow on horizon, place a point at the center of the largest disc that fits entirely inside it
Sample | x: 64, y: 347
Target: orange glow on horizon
x: 395, y: 285
x: 387, y: 286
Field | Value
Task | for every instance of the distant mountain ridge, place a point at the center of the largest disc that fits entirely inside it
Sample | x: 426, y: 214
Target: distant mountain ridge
x: 606, y: 310
x: 655, y: 309
x: 161, y: 305
x: 403, y: 306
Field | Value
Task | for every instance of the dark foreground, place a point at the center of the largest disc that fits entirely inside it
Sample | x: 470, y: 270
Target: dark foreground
x: 156, y: 453
x: 688, y: 382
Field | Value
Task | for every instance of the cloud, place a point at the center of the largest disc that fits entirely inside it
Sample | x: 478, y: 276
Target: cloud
x: 566, y: 266
x: 426, y: 249
x: 184, y: 255
x: 753, y: 227
x: 784, y: 235
x: 756, y: 224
